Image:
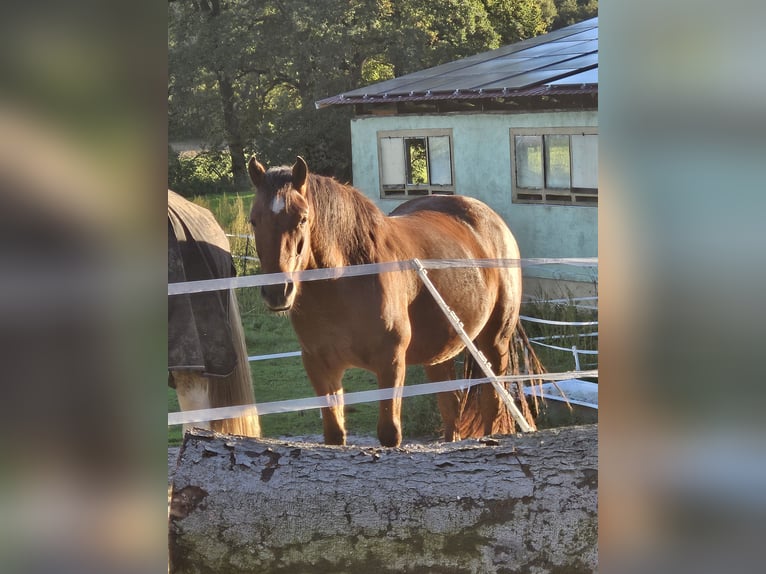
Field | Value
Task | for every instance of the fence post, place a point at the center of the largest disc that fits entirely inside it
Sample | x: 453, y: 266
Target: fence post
x: 576, y: 357
x: 481, y: 360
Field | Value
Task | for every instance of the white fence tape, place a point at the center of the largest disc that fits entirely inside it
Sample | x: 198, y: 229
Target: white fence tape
x: 551, y: 322
x: 555, y: 337
x: 206, y: 415
x: 359, y: 270
x: 274, y: 356
x: 568, y: 301
x: 568, y: 349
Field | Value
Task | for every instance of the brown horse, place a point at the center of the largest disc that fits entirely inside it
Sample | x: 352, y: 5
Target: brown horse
x: 386, y: 321
x: 207, y: 356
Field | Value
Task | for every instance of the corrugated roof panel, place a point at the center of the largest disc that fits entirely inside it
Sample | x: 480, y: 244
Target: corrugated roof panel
x: 524, y: 80
x: 520, y: 64
x: 577, y: 47
x: 589, y: 34
x: 548, y: 90
x: 577, y: 62
x: 440, y: 84
x: 586, y: 77
x: 543, y: 49
x: 387, y: 86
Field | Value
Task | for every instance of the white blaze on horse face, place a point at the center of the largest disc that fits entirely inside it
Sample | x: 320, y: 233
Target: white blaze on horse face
x: 278, y: 204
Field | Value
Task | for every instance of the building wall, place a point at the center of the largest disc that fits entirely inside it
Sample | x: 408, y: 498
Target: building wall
x: 482, y: 167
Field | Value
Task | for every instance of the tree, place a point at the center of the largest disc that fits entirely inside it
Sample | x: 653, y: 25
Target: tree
x: 246, y: 74
x: 517, y: 20
x: 573, y: 11
x: 208, y: 41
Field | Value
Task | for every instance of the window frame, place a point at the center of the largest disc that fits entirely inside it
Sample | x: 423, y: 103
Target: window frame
x: 587, y: 197
x: 411, y: 190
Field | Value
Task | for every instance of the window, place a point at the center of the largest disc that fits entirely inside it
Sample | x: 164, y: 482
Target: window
x: 415, y: 162
x: 560, y: 167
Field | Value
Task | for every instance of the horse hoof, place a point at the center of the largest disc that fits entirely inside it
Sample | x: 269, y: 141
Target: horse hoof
x: 390, y: 439
x: 335, y: 439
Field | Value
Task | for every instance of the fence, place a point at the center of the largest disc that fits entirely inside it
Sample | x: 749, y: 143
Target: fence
x: 421, y: 267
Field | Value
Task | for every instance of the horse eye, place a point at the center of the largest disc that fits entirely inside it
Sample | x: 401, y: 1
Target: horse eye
x: 303, y: 220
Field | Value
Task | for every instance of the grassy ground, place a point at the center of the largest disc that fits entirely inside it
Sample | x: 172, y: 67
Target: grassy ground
x: 281, y: 379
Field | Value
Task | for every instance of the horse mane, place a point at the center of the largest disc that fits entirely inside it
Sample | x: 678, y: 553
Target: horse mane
x: 346, y: 220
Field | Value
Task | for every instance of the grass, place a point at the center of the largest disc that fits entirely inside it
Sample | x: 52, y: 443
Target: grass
x: 562, y: 335
x: 232, y: 211
x: 282, y: 379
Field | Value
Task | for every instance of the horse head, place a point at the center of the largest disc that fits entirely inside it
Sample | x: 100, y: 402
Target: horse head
x: 281, y: 217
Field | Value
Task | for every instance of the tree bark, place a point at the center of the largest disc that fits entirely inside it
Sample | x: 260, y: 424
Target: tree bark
x: 233, y: 132
x: 496, y: 505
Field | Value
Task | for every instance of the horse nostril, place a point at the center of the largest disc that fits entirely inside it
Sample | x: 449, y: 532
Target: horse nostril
x: 300, y: 246
x: 278, y: 297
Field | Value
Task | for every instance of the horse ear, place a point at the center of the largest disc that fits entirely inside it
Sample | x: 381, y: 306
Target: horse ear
x: 256, y: 171
x: 300, y: 174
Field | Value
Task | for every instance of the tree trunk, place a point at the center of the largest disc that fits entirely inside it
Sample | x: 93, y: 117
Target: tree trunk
x: 233, y: 132
x: 508, y: 504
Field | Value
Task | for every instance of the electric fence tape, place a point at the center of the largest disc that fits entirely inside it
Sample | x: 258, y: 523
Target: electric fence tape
x: 360, y: 270
x: 292, y: 405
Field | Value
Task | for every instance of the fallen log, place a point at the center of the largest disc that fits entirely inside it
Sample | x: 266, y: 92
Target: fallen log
x: 500, y: 504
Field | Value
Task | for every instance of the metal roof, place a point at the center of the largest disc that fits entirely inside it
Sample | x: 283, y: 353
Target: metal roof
x: 564, y: 61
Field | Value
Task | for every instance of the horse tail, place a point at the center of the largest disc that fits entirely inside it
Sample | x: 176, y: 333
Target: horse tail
x: 237, y: 387
x: 522, y: 359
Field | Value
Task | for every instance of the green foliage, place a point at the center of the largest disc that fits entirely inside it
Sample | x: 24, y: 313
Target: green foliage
x: 572, y: 11
x: 516, y: 20
x: 416, y: 150
x: 202, y: 173
x: 376, y: 69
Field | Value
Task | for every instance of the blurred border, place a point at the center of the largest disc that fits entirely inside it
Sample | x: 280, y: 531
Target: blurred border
x: 83, y: 98
x: 83, y: 92
x: 681, y: 114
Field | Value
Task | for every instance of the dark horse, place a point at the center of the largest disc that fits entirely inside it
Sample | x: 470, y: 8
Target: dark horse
x: 207, y: 357
x: 387, y: 321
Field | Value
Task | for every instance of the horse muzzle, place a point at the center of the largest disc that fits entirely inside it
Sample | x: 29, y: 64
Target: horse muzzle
x: 279, y: 297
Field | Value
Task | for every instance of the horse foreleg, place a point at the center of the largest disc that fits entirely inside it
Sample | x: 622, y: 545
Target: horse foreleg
x: 334, y: 420
x: 327, y: 381
x: 449, y: 402
x: 389, y: 417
